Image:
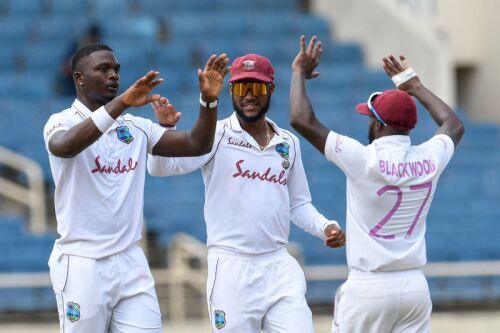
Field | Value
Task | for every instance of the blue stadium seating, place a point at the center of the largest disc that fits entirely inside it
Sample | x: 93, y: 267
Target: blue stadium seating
x: 465, y: 206
x: 22, y: 251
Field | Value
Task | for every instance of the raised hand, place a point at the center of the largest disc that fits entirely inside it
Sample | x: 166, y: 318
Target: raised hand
x: 137, y: 94
x: 307, y: 60
x: 335, y: 237
x: 211, y: 78
x: 165, y: 112
x: 393, y: 66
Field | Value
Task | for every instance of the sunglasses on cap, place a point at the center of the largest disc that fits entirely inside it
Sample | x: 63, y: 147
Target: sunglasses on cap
x: 372, y: 108
x: 257, y: 88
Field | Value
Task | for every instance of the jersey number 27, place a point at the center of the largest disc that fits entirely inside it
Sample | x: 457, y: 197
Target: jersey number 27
x: 374, y: 232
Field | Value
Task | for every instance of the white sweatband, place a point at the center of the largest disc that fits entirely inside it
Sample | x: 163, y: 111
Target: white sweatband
x: 332, y: 222
x: 404, y: 76
x: 102, y: 120
x: 207, y: 105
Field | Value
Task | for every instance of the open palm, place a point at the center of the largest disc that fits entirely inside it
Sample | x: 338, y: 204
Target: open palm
x: 138, y: 93
x: 307, y: 59
x: 211, y: 78
x: 393, y: 66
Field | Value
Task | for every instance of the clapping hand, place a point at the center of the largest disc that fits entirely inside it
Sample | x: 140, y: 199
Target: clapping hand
x: 307, y: 60
x: 138, y: 93
x: 211, y: 78
x: 393, y: 66
x: 335, y: 237
x: 165, y: 112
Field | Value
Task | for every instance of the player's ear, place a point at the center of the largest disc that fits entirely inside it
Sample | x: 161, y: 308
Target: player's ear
x: 78, y: 78
x: 231, y: 88
x: 379, y: 125
x: 271, y: 87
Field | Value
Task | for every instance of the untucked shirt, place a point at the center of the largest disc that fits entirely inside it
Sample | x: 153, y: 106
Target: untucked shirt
x: 99, y: 193
x: 251, y: 195
x: 390, y: 187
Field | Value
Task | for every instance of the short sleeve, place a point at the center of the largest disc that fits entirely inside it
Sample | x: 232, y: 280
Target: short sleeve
x: 348, y: 154
x: 57, y: 122
x: 441, y: 148
x: 153, y: 131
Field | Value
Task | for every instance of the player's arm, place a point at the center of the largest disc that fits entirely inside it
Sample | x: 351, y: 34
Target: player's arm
x: 302, y: 116
x: 69, y: 143
x: 442, y: 114
x: 303, y: 213
x: 199, y: 140
x: 160, y: 166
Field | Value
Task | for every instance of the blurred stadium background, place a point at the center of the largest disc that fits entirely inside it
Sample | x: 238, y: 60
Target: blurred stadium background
x: 450, y: 43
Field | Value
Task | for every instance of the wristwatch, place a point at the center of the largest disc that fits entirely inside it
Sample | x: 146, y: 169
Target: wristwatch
x: 207, y: 105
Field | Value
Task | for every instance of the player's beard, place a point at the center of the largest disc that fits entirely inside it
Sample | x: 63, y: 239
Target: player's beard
x: 252, y: 119
x: 102, y: 99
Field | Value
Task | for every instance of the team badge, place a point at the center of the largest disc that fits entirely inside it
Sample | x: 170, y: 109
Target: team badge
x: 284, y: 150
x: 72, y: 311
x: 124, y: 134
x: 219, y: 318
x: 248, y: 64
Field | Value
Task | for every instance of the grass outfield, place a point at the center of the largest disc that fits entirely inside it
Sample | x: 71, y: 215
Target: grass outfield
x: 441, y: 322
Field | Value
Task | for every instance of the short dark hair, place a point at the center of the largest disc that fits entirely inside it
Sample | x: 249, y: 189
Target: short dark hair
x: 85, y: 51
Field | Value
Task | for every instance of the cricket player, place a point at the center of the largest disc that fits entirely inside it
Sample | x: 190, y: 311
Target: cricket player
x: 100, y: 275
x: 390, y: 186
x: 255, y: 185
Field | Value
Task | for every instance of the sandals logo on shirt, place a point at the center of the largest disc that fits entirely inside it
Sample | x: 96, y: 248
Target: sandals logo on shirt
x: 124, y: 134
x: 72, y: 311
x: 219, y: 318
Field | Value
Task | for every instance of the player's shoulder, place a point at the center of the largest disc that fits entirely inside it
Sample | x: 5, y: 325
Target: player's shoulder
x: 136, y: 120
x: 66, y: 112
x: 288, y: 135
x: 131, y: 117
x: 222, y: 125
x: 65, y: 115
x: 438, y: 141
x: 290, y: 138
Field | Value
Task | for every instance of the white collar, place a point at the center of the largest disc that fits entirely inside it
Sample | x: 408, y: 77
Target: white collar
x: 84, y: 112
x: 81, y: 109
x: 393, y: 141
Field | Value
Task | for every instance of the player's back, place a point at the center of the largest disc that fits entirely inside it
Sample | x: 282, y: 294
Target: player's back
x: 389, y: 191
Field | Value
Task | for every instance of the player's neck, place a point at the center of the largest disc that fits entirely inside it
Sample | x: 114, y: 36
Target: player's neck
x: 90, y: 104
x: 257, y: 128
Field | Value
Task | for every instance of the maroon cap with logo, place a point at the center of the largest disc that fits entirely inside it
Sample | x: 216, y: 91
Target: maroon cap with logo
x: 395, y: 107
x: 252, y: 66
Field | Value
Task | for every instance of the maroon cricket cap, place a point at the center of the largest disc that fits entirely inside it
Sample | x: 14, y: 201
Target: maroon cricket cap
x: 252, y: 66
x: 395, y: 107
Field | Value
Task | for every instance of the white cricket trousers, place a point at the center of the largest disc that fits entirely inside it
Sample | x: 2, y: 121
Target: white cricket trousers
x: 112, y: 294
x: 256, y: 293
x: 383, y: 302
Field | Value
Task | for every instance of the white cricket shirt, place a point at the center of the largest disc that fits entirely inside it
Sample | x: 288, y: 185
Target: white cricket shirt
x: 390, y: 186
x: 250, y: 195
x: 100, y: 192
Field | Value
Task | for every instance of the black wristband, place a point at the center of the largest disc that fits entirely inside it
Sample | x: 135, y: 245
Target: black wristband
x: 165, y: 125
